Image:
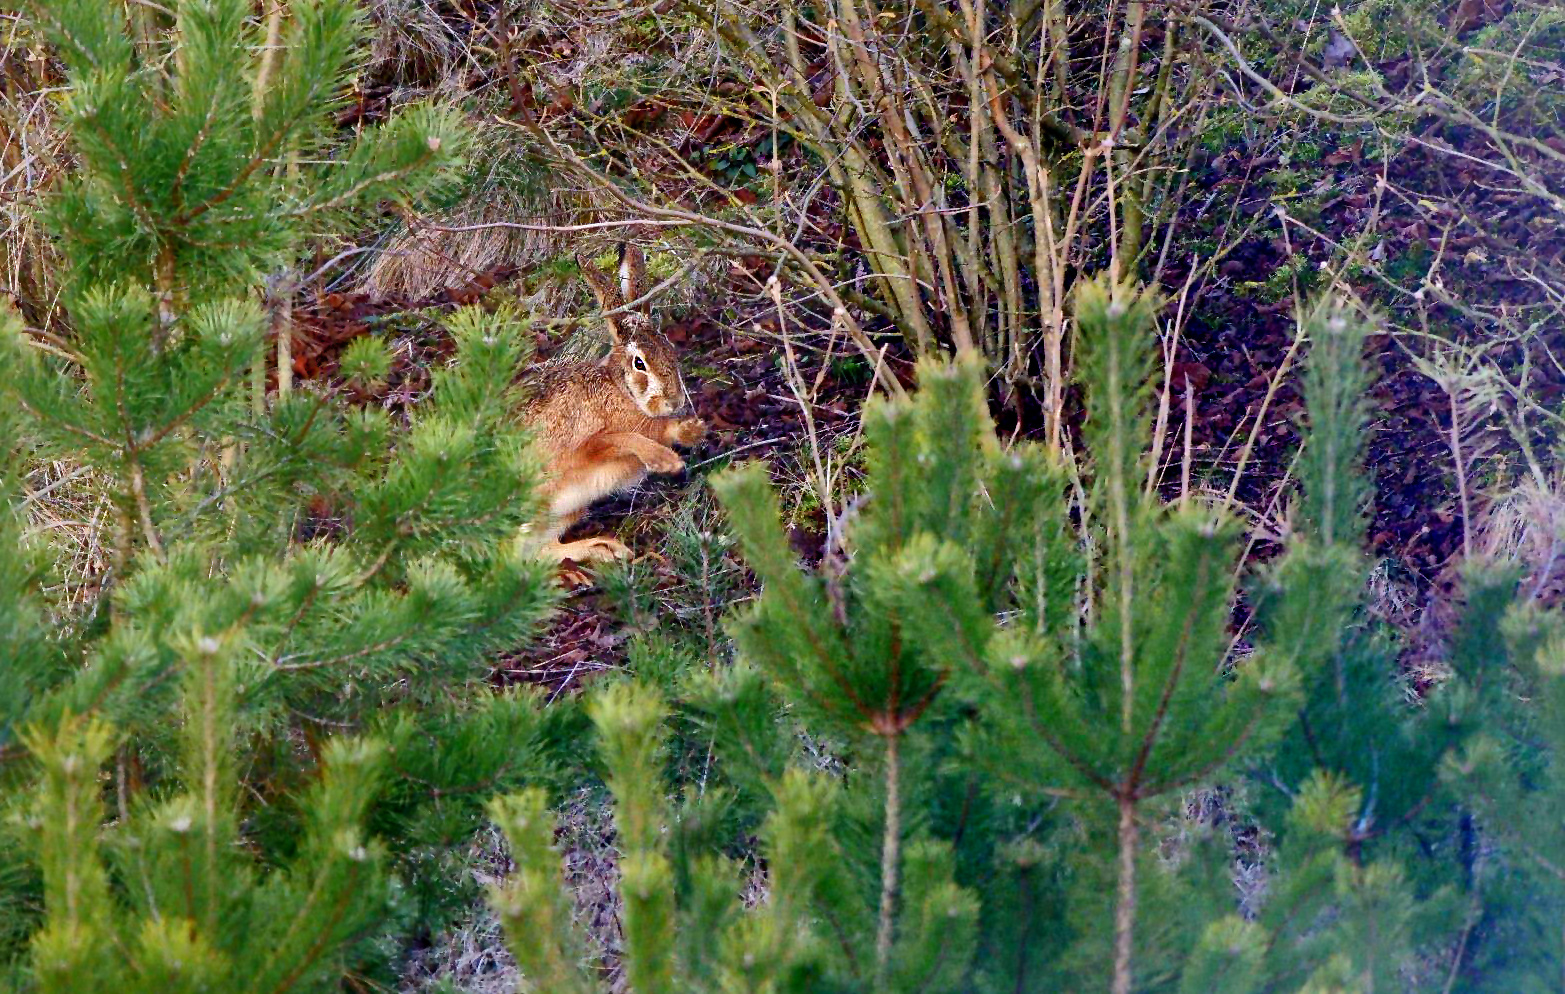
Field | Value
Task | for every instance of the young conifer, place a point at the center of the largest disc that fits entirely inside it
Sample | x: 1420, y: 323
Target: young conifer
x: 347, y: 561
x: 190, y: 909
x: 1340, y: 794
x: 1142, y: 703
x: 685, y: 927
x: 1510, y: 774
x: 1018, y: 723
x: 949, y: 657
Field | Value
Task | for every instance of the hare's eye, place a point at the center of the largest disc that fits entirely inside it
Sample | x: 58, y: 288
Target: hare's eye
x: 640, y: 366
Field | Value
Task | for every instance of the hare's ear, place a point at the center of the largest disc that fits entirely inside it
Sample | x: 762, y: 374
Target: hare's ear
x: 632, y: 272
x: 604, y: 289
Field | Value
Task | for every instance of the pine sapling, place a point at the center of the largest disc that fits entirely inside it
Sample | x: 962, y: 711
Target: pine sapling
x: 684, y: 926
x: 197, y: 913
x: 348, y: 562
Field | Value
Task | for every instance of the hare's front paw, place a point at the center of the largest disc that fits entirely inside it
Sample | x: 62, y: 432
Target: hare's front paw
x: 667, y: 461
x: 688, y: 431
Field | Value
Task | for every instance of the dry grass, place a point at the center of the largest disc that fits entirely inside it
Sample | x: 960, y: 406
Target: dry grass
x: 32, y: 153
x: 437, y: 253
x: 68, y: 512
x: 582, y: 43
x: 580, y: 49
x: 1519, y: 526
x: 1525, y: 527
x: 413, y: 46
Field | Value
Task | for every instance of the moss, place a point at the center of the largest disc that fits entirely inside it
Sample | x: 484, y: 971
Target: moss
x: 1410, y: 265
x: 1225, y: 129
x: 706, y: 374
x: 851, y: 369
x: 1279, y: 285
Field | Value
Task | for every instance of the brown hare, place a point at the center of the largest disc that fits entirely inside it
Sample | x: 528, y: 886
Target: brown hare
x: 602, y: 427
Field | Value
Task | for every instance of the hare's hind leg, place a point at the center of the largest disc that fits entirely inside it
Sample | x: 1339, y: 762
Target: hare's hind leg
x: 599, y: 467
x: 598, y: 549
x: 547, y: 547
x: 545, y: 544
x: 593, y: 471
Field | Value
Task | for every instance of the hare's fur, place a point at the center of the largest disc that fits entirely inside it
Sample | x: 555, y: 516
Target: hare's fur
x: 605, y: 426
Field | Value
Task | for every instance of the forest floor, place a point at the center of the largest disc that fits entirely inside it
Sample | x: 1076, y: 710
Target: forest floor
x: 1227, y: 359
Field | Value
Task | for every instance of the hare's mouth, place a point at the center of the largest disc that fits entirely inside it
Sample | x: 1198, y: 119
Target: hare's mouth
x: 653, y: 406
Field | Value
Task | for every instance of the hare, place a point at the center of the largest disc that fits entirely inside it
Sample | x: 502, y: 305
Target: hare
x: 603, y: 427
